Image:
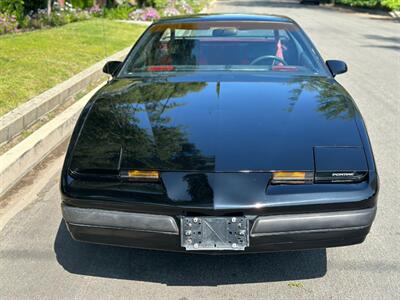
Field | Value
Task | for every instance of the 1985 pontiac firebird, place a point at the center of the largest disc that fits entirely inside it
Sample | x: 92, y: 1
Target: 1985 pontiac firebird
x: 221, y: 134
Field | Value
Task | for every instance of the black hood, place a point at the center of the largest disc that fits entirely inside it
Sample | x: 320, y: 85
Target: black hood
x: 235, y: 124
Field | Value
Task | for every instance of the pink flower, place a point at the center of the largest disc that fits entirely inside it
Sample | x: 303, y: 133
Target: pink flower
x: 147, y: 14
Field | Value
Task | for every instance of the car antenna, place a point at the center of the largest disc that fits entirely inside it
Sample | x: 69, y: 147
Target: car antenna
x: 104, y: 33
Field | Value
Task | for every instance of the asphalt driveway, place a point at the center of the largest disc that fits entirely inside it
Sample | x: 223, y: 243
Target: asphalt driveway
x: 38, y: 259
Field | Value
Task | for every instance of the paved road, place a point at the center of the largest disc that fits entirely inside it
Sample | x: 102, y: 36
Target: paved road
x: 38, y: 259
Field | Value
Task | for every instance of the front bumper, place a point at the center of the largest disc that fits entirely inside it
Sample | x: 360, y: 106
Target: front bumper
x: 267, y: 233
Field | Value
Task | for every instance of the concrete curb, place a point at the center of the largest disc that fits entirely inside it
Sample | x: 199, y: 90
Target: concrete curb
x: 144, y: 23
x: 12, y: 123
x: 19, y: 160
x: 395, y: 14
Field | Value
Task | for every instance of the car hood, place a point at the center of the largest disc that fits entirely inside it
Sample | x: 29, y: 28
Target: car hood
x: 230, y: 125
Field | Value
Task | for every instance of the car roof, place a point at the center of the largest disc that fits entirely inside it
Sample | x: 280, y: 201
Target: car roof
x: 226, y: 17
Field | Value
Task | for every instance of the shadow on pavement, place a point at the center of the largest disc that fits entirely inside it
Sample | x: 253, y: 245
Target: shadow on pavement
x: 182, y: 269
x: 393, y: 40
x: 390, y: 47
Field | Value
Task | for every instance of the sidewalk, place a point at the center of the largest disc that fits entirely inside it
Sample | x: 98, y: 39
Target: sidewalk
x: 27, y: 152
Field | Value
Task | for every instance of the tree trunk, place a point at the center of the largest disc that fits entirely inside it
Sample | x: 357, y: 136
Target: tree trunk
x: 49, y: 8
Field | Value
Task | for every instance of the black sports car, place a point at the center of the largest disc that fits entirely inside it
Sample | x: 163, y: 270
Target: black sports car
x: 221, y: 133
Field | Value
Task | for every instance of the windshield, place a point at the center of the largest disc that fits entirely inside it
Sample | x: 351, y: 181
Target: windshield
x: 220, y: 46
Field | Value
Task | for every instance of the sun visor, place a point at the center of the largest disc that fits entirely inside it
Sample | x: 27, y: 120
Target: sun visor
x: 340, y: 164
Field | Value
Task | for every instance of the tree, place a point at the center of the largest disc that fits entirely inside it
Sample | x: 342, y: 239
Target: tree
x: 49, y: 3
x: 139, y: 121
x: 330, y: 99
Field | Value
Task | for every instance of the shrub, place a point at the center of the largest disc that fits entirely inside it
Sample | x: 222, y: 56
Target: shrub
x: 185, y: 7
x: 96, y: 11
x: 13, y: 8
x: 177, y: 7
x: 388, y: 4
x: 359, y: 3
x: 159, y: 4
x: 120, y: 12
x: 82, y: 3
x: 40, y: 18
x: 391, y: 4
x: 170, y: 12
x: 146, y: 14
x: 7, y: 24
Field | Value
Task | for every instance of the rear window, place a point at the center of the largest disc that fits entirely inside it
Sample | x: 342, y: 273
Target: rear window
x: 228, y: 46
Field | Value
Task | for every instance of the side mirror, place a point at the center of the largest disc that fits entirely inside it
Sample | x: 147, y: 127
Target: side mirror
x: 111, y: 66
x: 336, y: 67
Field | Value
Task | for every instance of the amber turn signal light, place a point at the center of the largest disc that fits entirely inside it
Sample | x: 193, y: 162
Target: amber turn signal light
x: 285, y: 177
x: 139, y: 175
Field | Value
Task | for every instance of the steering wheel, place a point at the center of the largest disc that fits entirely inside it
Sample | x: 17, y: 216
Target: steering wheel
x: 270, y: 57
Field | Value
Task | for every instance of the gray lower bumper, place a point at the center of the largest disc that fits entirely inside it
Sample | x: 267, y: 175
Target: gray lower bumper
x: 263, y: 226
x: 313, y: 222
x: 119, y: 220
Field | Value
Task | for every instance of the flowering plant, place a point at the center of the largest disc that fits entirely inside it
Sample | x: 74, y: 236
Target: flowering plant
x: 58, y: 17
x: 95, y: 10
x: 8, y: 24
x: 170, y: 12
x: 178, y: 7
x: 146, y: 14
x: 151, y: 14
x: 185, y: 7
x: 64, y: 14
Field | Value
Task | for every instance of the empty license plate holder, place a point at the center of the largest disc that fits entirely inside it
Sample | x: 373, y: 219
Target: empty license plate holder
x: 214, y: 233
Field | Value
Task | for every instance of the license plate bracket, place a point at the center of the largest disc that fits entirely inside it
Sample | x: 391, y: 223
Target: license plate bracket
x: 214, y: 233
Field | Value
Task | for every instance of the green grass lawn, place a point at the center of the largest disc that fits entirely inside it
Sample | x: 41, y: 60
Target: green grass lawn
x: 32, y: 62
